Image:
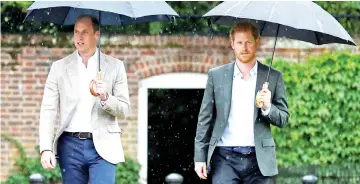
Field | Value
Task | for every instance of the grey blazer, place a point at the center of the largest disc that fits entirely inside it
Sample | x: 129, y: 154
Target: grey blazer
x: 61, y: 97
x: 215, y: 108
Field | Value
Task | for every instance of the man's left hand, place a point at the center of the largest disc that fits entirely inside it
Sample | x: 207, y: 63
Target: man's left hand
x: 101, y: 89
x: 265, y: 97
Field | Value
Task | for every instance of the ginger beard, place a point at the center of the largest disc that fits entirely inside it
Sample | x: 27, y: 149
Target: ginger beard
x: 245, y: 46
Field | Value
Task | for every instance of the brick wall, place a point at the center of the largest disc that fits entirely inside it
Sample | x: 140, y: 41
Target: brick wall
x: 25, y: 61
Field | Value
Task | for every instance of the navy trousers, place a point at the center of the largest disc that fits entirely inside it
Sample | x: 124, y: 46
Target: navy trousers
x: 80, y: 163
x: 229, y: 167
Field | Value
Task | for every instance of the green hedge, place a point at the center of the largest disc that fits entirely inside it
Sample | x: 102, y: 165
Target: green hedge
x: 127, y: 172
x: 324, y: 104
x: 327, y: 174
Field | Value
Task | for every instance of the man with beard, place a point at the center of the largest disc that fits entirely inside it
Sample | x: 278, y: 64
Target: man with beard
x: 233, y: 140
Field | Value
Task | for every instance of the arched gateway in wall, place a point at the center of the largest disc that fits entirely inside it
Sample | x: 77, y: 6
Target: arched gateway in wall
x: 154, y: 73
x: 184, y: 80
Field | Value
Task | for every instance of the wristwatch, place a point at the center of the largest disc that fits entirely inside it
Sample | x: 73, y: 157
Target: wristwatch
x: 103, y: 102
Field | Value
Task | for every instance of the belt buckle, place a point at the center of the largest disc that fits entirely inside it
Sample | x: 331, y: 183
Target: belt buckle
x: 248, y: 152
x: 80, y: 137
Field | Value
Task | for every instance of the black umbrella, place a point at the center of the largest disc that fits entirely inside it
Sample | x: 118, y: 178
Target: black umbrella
x: 298, y: 20
x: 120, y: 13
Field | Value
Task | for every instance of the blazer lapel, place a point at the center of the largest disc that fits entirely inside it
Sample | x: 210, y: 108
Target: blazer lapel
x: 103, y: 64
x: 261, y: 74
x: 72, y: 75
x: 228, y: 82
x: 73, y: 72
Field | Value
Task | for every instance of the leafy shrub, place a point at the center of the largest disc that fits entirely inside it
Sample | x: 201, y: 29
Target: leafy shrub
x: 324, y: 104
x: 25, y: 166
x: 127, y: 172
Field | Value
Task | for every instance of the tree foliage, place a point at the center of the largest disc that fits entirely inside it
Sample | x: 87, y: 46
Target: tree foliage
x: 351, y: 22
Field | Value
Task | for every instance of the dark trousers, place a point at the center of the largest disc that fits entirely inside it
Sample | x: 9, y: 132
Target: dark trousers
x: 80, y: 163
x: 229, y: 167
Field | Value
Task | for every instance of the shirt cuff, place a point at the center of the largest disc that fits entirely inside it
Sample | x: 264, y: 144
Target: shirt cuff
x: 103, y: 102
x: 265, y: 112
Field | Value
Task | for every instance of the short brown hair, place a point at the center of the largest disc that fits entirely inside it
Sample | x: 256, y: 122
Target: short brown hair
x: 94, y: 20
x: 244, y: 26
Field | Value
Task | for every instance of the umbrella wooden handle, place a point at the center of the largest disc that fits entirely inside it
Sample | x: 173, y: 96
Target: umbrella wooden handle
x: 93, y: 85
x: 260, y: 104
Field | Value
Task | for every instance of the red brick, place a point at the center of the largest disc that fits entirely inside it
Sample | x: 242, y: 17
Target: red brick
x: 29, y: 63
x: 147, y: 73
x: 29, y: 76
x: 139, y: 65
x: 28, y: 87
x: 14, y: 129
x: 148, y: 52
x: 4, y: 82
x: 42, y: 69
x: 202, y: 70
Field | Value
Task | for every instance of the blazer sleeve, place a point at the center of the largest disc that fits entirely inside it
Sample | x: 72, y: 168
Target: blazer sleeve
x: 118, y: 103
x: 205, y: 121
x: 49, y: 110
x: 279, y: 114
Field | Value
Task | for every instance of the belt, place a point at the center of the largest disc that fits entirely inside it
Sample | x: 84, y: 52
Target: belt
x: 80, y: 135
x: 245, y: 150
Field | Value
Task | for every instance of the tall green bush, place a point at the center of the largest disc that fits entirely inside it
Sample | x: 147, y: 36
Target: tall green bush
x: 324, y: 104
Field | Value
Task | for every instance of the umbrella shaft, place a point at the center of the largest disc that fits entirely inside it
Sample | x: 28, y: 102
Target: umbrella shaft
x: 99, y: 42
x: 272, y: 57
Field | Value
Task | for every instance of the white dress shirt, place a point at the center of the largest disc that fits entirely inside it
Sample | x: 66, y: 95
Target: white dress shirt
x: 81, y: 121
x: 240, y: 127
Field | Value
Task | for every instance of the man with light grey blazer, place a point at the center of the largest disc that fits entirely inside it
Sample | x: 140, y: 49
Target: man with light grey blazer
x: 233, y: 142
x: 88, y: 142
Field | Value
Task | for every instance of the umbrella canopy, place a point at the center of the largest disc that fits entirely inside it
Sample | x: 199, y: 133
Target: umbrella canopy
x: 299, y: 20
x: 120, y: 13
x: 110, y: 12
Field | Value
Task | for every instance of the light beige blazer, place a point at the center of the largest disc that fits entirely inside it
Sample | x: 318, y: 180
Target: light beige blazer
x: 61, y: 95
